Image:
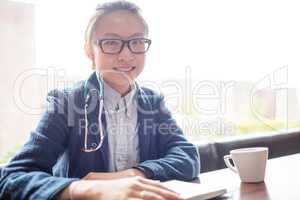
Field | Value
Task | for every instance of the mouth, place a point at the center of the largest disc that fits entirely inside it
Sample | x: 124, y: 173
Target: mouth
x: 124, y: 68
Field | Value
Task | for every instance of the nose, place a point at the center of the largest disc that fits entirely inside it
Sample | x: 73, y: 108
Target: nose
x: 125, y: 54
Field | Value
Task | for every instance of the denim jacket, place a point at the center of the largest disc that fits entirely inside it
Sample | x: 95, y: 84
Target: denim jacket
x: 52, y: 157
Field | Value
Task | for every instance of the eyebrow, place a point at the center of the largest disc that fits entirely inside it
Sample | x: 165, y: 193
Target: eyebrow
x: 116, y: 35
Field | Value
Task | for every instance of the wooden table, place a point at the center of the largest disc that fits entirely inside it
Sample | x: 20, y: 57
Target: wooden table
x: 282, y: 181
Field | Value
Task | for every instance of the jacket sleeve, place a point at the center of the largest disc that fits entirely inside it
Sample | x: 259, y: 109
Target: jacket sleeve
x: 178, y: 158
x: 29, y: 174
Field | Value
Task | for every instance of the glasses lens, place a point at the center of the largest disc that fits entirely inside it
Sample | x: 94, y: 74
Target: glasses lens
x: 111, y: 45
x: 139, y: 45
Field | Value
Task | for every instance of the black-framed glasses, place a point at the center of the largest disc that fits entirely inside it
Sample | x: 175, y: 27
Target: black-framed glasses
x: 115, y: 46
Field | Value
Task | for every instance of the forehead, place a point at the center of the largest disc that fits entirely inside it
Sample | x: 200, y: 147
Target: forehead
x: 120, y: 23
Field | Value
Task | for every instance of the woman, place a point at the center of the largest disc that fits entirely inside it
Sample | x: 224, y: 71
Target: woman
x: 106, y: 137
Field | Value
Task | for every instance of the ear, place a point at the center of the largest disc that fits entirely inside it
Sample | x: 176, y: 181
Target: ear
x: 89, y: 51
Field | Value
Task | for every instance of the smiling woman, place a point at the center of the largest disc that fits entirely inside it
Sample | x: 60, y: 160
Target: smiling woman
x: 105, y: 44
x: 105, y: 128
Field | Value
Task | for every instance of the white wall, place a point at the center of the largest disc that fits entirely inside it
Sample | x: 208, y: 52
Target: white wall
x: 17, y: 54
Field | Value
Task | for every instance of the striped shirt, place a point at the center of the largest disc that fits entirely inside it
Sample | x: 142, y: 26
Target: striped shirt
x: 121, y: 117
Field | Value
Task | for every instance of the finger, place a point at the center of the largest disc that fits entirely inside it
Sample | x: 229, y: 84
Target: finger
x: 155, y: 187
x: 145, y: 195
x: 156, y: 184
x: 161, y: 191
x: 150, y: 182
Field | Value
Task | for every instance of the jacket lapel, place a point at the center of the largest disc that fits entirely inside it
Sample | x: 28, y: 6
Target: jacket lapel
x: 144, y: 107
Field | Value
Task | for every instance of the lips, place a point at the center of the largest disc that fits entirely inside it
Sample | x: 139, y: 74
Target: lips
x: 124, y: 68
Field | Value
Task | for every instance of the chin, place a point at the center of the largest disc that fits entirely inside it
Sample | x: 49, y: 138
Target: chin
x: 121, y: 78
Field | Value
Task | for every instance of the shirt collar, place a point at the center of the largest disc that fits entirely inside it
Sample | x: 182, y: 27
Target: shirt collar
x: 113, y: 101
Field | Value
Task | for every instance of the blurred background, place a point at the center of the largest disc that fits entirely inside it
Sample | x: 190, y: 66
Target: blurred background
x: 226, y: 68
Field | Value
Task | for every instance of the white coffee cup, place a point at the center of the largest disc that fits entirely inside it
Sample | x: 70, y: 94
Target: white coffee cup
x: 249, y: 163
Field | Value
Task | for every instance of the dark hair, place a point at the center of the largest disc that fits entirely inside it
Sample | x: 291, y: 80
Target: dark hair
x: 106, y: 8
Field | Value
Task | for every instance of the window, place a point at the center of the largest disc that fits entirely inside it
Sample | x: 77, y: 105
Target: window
x: 225, y: 67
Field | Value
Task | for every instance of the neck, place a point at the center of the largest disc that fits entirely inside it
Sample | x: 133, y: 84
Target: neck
x: 121, y: 89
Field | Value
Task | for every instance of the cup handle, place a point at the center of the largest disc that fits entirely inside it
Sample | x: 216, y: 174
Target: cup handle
x: 228, y: 164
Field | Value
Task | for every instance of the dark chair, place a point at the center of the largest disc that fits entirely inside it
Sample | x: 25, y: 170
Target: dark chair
x: 208, y: 156
x: 280, y: 144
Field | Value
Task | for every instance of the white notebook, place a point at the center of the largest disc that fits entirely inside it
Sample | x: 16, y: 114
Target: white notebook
x: 194, y: 191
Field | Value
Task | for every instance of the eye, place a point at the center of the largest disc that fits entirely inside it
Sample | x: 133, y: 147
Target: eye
x: 137, y: 42
x: 110, y: 42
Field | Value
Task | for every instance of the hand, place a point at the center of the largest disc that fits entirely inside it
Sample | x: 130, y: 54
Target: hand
x: 114, y: 175
x: 135, y: 188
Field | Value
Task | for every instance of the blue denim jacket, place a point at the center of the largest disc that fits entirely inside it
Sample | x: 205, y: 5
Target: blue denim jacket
x: 52, y: 157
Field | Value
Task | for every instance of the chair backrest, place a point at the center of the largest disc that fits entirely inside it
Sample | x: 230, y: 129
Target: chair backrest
x: 208, y: 156
x: 281, y: 144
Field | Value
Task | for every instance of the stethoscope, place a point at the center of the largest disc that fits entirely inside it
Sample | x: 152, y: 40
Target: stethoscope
x: 86, y: 94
